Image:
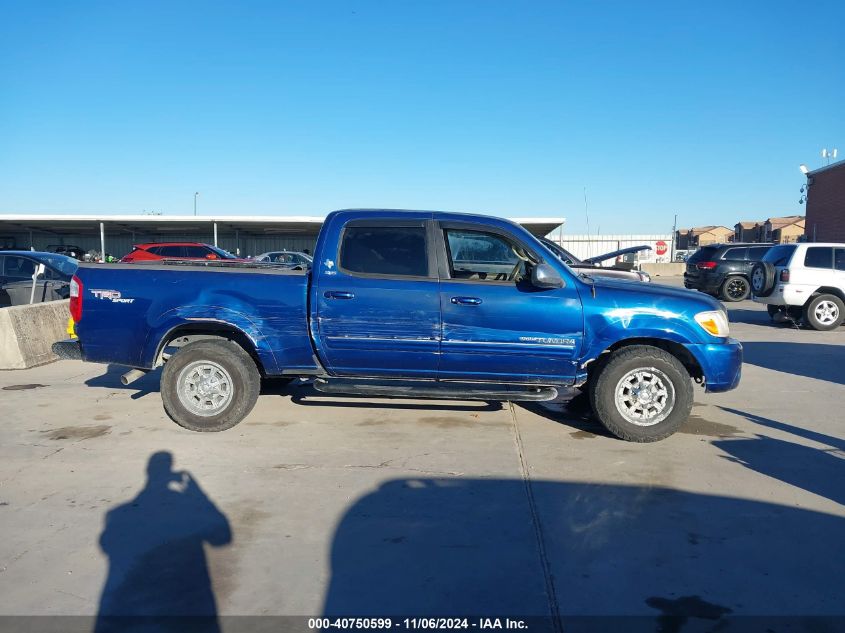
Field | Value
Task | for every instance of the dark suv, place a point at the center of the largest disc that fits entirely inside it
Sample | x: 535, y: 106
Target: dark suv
x: 724, y: 270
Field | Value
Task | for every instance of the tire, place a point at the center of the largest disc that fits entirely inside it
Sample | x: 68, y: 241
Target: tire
x: 824, y: 312
x: 618, y: 370
x: 735, y: 288
x: 226, y: 397
x: 762, y: 279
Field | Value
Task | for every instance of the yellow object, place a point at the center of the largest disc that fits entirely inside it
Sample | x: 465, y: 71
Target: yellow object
x: 713, y: 322
x: 71, y: 328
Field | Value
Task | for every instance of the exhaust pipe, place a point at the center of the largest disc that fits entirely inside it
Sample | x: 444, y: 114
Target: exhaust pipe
x: 132, y: 375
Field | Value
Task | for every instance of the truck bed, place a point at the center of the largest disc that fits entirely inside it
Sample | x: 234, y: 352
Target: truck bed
x: 130, y: 308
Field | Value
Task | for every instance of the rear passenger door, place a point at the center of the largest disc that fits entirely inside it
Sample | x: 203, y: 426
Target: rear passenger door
x: 377, y: 302
x: 818, y: 260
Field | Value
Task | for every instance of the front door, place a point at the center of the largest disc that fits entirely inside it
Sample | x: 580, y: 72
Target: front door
x: 496, y: 325
x: 377, y: 301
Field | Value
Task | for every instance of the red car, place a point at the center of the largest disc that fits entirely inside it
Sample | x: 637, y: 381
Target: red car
x: 176, y: 250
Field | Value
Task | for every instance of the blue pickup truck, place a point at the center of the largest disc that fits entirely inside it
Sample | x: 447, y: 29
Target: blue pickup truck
x: 407, y: 304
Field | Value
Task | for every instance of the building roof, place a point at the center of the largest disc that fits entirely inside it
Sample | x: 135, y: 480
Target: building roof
x: 699, y: 230
x: 89, y: 224
x: 836, y: 165
x: 748, y: 224
x: 779, y: 223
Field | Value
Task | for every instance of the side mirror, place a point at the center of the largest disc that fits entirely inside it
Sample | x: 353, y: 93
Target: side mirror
x: 544, y: 276
x: 211, y: 256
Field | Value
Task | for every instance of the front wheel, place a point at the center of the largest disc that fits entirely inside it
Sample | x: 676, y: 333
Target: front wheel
x: 641, y: 394
x: 824, y: 312
x: 209, y: 385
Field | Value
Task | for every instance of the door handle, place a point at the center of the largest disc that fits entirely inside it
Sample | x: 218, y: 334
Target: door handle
x: 338, y: 294
x: 466, y: 301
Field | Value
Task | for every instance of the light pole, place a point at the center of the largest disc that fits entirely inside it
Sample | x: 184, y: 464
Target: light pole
x: 196, y: 193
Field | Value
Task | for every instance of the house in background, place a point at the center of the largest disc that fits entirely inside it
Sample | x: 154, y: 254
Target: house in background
x: 682, y: 239
x: 782, y: 230
x: 703, y: 235
x: 747, y: 231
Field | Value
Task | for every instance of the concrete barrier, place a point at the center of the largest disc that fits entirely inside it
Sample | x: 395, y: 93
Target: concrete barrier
x: 28, y: 332
x: 664, y: 269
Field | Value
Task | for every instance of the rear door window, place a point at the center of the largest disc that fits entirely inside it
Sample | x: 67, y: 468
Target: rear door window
x: 819, y: 257
x: 735, y: 253
x: 385, y: 251
x: 839, y: 259
x: 171, y: 251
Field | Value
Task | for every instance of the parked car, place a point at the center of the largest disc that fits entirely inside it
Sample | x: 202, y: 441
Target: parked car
x: 291, y: 258
x: 804, y: 281
x: 16, y: 277
x: 407, y: 303
x: 76, y: 252
x: 175, y: 250
x: 724, y: 270
x: 591, y: 266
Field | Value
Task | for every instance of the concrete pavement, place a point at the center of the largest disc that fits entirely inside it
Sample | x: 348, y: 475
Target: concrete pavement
x: 318, y: 504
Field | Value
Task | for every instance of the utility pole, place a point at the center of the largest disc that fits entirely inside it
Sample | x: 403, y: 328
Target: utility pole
x: 674, y: 238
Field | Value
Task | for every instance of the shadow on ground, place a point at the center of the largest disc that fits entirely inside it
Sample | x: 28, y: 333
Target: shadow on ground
x: 155, y: 544
x: 812, y: 360
x: 499, y: 547
x: 149, y: 383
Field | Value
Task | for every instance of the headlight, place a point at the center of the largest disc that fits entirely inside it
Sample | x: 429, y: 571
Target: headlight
x: 714, y: 322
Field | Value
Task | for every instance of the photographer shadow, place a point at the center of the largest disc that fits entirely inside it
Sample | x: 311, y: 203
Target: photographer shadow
x: 158, y: 578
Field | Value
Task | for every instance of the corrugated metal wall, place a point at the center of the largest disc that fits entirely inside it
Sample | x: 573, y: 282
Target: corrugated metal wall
x: 119, y: 244
x: 584, y: 246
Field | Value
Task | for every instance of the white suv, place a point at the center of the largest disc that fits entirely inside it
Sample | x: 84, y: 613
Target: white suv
x: 804, y: 280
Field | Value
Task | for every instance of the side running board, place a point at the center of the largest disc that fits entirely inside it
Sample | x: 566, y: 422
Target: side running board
x: 433, y: 389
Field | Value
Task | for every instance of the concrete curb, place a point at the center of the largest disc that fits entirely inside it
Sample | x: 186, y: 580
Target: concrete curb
x: 27, y: 333
x: 675, y: 268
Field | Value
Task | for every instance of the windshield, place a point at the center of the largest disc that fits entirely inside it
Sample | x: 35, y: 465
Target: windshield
x: 779, y: 255
x: 561, y: 252
x: 65, y: 265
x: 223, y: 254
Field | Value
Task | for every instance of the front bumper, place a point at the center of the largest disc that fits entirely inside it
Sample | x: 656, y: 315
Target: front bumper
x: 69, y: 349
x: 720, y: 362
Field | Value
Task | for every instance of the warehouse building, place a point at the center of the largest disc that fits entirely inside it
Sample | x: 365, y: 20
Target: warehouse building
x: 825, y: 221
x: 242, y: 235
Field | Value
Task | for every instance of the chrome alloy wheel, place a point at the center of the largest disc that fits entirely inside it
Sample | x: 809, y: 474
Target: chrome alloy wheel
x: 826, y: 312
x: 644, y: 396
x: 204, y: 388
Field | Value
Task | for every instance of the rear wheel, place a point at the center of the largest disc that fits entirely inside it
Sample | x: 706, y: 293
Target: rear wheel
x: 209, y: 385
x: 824, y: 312
x: 641, y: 393
x: 735, y: 289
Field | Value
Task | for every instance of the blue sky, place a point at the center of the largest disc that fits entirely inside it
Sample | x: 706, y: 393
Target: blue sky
x: 704, y: 109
